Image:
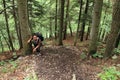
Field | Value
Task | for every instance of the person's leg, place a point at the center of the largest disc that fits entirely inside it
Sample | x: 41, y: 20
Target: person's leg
x: 38, y: 51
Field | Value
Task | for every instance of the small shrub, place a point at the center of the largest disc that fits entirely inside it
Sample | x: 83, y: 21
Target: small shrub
x: 97, y: 55
x: 110, y: 73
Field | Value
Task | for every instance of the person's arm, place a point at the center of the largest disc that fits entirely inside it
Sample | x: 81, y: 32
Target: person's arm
x: 29, y: 39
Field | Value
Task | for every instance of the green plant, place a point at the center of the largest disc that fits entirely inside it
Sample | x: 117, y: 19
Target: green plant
x: 2, y: 63
x: 4, y: 70
x: 110, y: 73
x: 5, y: 66
x: 99, y: 55
x: 117, y: 51
x: 32, y: 76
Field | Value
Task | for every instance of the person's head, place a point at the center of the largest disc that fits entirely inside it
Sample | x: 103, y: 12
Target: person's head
x: 34, y: 37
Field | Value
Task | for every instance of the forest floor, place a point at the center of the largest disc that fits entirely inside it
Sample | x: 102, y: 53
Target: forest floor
x: 57, y: 63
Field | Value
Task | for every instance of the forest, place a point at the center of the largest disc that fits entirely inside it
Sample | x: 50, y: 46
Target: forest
x: 59, y: 40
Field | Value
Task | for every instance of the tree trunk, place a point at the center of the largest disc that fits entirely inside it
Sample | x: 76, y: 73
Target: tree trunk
x: 56, y: 18
x: 24, y: 26
x: 66, y: 20
x: 30, y: 10
x: 15, y: 20
x: 61, y: 23
x: 5, y: 40
x: 103, y: 34
x: 88, y: 32
x: 50, y: 28
x: 79, y: 19
x: 99, y: 34
x: 95, y: 26
x: 115, y: 28
x: 71, y: 33
x: 117, y: 41
x: 84, y: 20
x: 7, y: 26
x: 1, y: 43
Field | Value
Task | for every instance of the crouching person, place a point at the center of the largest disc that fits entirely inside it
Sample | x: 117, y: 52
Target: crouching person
x: 36, y: 44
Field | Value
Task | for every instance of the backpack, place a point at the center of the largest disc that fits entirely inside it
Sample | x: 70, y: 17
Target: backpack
x: 39, y: 35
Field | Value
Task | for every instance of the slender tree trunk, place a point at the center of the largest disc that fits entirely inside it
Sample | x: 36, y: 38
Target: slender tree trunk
x: 99, y: 34
x: 115, y: 28
x: 84, y: 20
x: 50, y: 28
x: 71, y: 33
x: 56, y: 19
x: 6, y: 40
x: 19, y: 30
x: 15, y: 20
x: 61, y: 23
x: 88, y: 32
x: 117, y: 41
x: 1, y: 43
x: 24, y: 26
x: 103, y: 34
x: 95, y: 26
x: 79, y: 19
x: 7, y: 26
x: 66, y: 20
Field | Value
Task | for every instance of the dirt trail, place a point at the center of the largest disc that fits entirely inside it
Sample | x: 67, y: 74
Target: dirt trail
x: 64, y: 63
x: 56, y: 63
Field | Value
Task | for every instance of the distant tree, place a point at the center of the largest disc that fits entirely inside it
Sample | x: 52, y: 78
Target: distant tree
x: 84, y: 20
x: 115, y: 28
x: 95, y: 26
x: 16, y: 22
x: 79, y: 19
x: 50, y: 27
x: 25, y: 31
x: 56, y: 13
x: 1, y: 44
x: 7, y: 26
x: 66, y: 20
x: 61, y: 23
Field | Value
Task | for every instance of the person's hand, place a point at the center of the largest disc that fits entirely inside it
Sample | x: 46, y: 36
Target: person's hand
x: 34, y: 50
x: 29, y: 40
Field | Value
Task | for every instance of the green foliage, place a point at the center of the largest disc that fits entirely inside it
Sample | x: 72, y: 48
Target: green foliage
x: 83, y: 55
x: 2, y: 63
x: 117, y: 51
x: 97, y: 55
x: 33, y: 76
x: 8, y: 67
x: 110, y: 73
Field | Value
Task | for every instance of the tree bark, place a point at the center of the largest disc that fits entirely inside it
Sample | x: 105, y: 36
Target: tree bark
x: 7, y: 26
x: 24, y: 26
x: 95, y: 26
x: 15, y: 20
x: 50, y: 28
x: 56, y: 10
x: 115, y: 28
x: 66, y: 20
x: 84, y: 20
x: 61, y: 23
x: 1, y: 43
x: 79, y: 19
x: 70, y: 28
x: 117, y: 41
x: 5, y: 39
